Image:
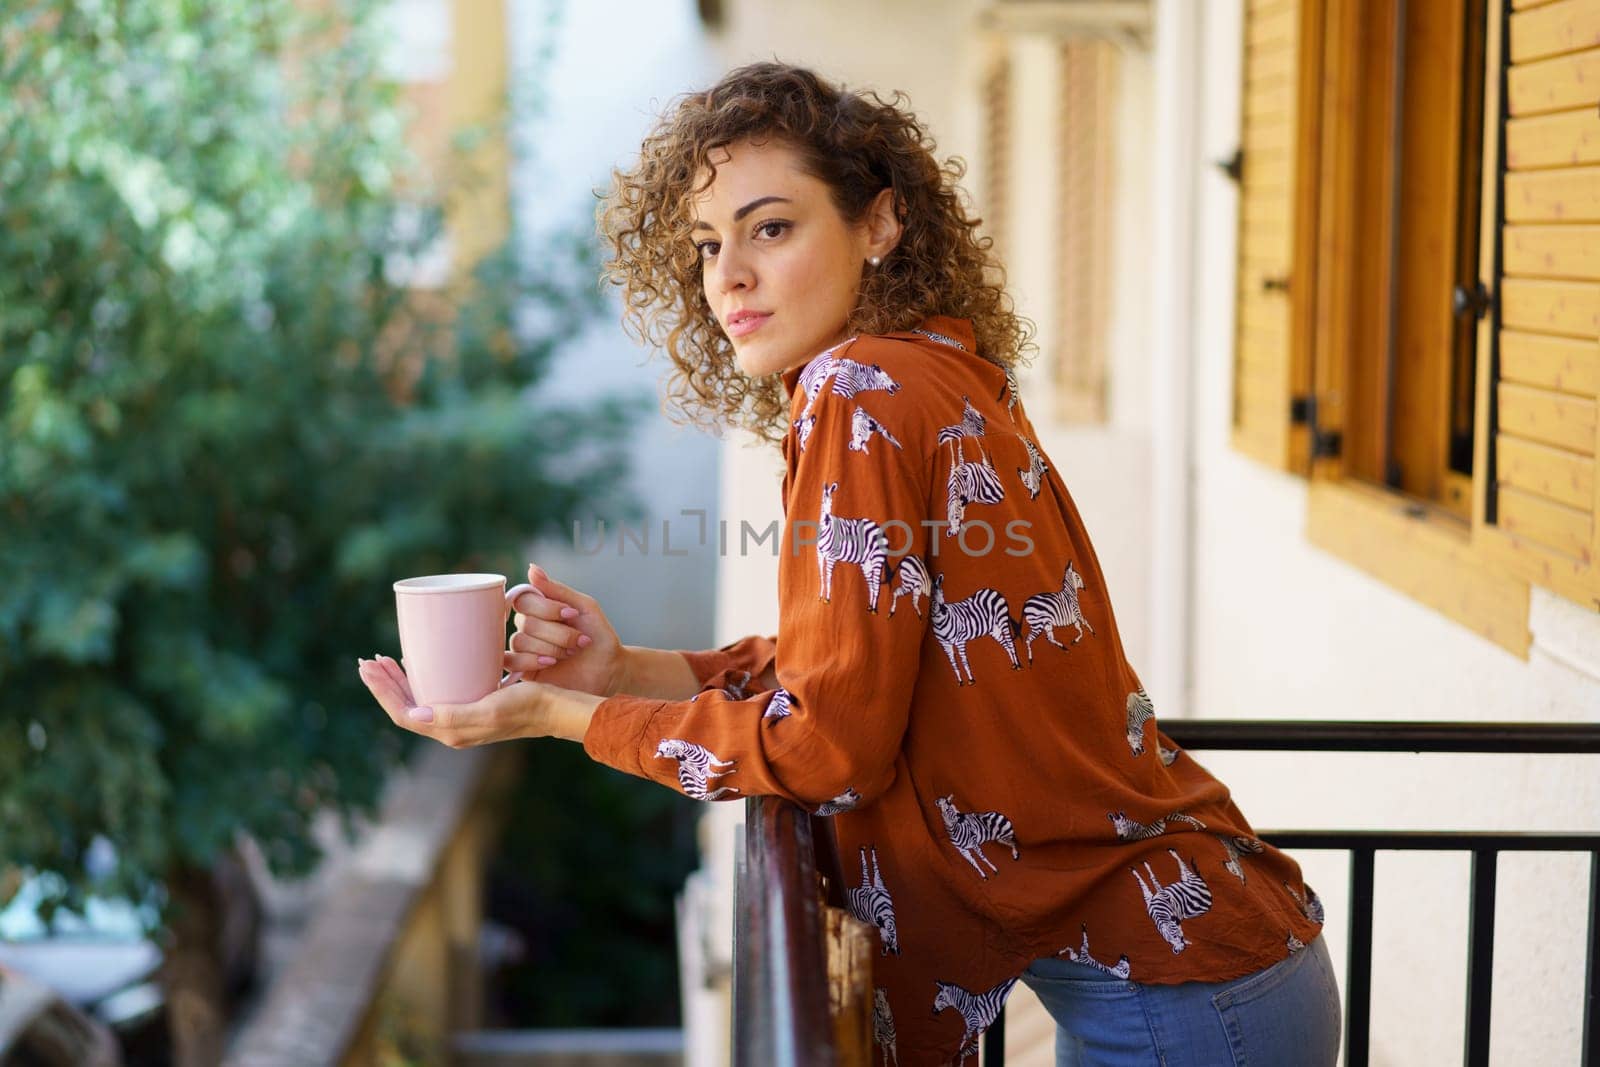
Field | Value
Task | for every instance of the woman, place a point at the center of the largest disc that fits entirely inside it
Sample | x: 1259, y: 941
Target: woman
x: 947, y: 682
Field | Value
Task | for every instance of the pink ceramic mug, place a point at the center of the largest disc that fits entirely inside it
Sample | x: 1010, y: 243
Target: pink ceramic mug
x: 453, y: 633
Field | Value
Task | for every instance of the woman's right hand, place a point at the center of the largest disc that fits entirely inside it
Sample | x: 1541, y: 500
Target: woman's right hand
x: 577, y: 652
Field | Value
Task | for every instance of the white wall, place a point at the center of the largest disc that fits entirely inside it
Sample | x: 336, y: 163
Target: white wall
x: 604, y: 72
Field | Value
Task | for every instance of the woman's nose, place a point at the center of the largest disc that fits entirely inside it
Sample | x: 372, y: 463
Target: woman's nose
x: 733, y: 272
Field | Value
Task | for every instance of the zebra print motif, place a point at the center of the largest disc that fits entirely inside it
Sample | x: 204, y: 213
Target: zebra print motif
x: 1169, y: 905
x: 779, y: 706
x: 1167, y: 754
x: 845, y: 801
x: 856, y: 542
x: 1310, y: 904
x: 862, y: 427
x: 1128, y: 830
x: 1294, y: 943
x: 818, y: 370
x: 883, y: 1026
x: 847, y: 378
x: 942, y: 339
x: 1233, y: 848
x: 870, y: 902
x: 971, y: 425
x: 1033, y: 476
x: 802, y: 430
x: 984, y: 613
x: 978, y: 1010
x: 1121, y: 969
x: 1043, y: 612
x: 969, y: 831
x: 1011, y: 391
x: 696, y: 765
x: 1139, y: 713
x: 911, y: 579
x: 970, y: 483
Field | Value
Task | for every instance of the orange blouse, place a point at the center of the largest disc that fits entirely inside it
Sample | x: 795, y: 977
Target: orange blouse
x: 954, y: 693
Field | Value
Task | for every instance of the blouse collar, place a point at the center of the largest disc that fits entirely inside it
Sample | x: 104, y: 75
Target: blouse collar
x: 943, y: 328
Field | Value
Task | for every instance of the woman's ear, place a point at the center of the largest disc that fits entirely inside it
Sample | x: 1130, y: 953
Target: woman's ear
x: 883, y: 226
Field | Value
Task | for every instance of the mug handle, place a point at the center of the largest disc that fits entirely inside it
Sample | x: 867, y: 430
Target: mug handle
x: 511, y: 598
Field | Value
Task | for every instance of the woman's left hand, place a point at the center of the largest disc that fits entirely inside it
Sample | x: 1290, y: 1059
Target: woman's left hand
x: 520, y: 709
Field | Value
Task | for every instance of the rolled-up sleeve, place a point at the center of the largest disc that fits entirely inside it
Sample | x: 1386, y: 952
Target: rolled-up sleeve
x: 828, y: 738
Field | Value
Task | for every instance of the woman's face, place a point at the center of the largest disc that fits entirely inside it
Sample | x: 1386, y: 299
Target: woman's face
x: 780, y: 266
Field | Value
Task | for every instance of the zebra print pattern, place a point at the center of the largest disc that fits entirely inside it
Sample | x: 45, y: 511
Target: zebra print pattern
x: 862, y: 427
x: 1169, y: 905
x: 1233, y: 848
x: 969, y: 831
x: 883, y: 1026
x: 779, y: 706
x: 942, y: 339
x: 1139, y: 713
x: 818, y: 370
x: 971, y: 425
x: 1043, y: 612
x: 870, y: 902
x: 1310, y: 905
x: 1167, y: 754
x: 1294, y: 943
x: 1128, y: 830
x: 978, y: 1010
x: 911, y: 579
x: 970, y: 483
x: 1121, y: 969
x: 847, y: 378
x: 802, y: 430
x: 845, y: 801
x: 1010, y: 392
x: 696, y: 766
x: 984, y: 613
x: 856, y: 542
x: 1033, y: 475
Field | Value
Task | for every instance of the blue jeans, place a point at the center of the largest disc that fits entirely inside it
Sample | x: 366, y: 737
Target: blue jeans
x: 1287, y: 1014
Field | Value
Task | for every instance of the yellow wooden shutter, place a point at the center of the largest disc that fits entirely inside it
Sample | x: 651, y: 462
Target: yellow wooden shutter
x: 1540, y: 388
x: 996, y: 95
x: 1086, y: 128
x: 1277, y: 229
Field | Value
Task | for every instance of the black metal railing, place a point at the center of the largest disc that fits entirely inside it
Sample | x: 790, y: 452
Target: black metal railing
x: 780, y: 995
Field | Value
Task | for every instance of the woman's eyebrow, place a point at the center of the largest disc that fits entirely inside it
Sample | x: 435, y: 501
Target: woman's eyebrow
x: 742, y: 212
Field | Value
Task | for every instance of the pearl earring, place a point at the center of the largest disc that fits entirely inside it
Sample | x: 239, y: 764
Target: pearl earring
x: 874, y: 260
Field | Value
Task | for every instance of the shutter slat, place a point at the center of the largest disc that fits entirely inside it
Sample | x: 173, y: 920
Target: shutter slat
x: 1553, y: 252
x: 1567, y: 138
x: 1552, y: 418
x: 1569, y: 308
x: 1561, y: 27
x: 1562, y: 476
x: 1556, y: 526
x: 1571, y: 194
x: 1557, y: 363
x: 1555, y: 84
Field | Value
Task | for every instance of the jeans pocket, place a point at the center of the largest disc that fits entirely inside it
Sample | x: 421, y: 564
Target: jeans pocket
x: 1281, y: 1016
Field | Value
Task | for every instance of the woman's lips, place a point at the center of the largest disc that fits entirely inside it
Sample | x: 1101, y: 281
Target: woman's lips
x: 748, y: 324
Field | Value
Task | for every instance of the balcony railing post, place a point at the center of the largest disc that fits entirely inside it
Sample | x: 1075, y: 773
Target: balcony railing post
x: 1358, y: 978
x: 1591, y: 972
x: 1480, y: 955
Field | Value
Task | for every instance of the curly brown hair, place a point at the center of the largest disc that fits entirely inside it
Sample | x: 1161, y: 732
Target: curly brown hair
x: 857, y: 144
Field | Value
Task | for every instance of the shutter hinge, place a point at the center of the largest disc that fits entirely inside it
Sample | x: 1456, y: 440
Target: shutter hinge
x: 1325, y: 444
x: 1477, y: 300
x: 1233, y: 166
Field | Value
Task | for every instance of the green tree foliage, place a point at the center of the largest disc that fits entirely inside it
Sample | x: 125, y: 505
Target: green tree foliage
x: 225, y: 428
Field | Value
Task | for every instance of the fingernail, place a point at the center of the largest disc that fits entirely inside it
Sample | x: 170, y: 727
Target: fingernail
x: 420, y: 714
x: 567, y: 613
x: 584, y: 640
x: 547, y: 661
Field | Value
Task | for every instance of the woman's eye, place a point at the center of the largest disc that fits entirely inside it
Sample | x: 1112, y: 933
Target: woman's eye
x: 707, y: 248
x: 772, y: 228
